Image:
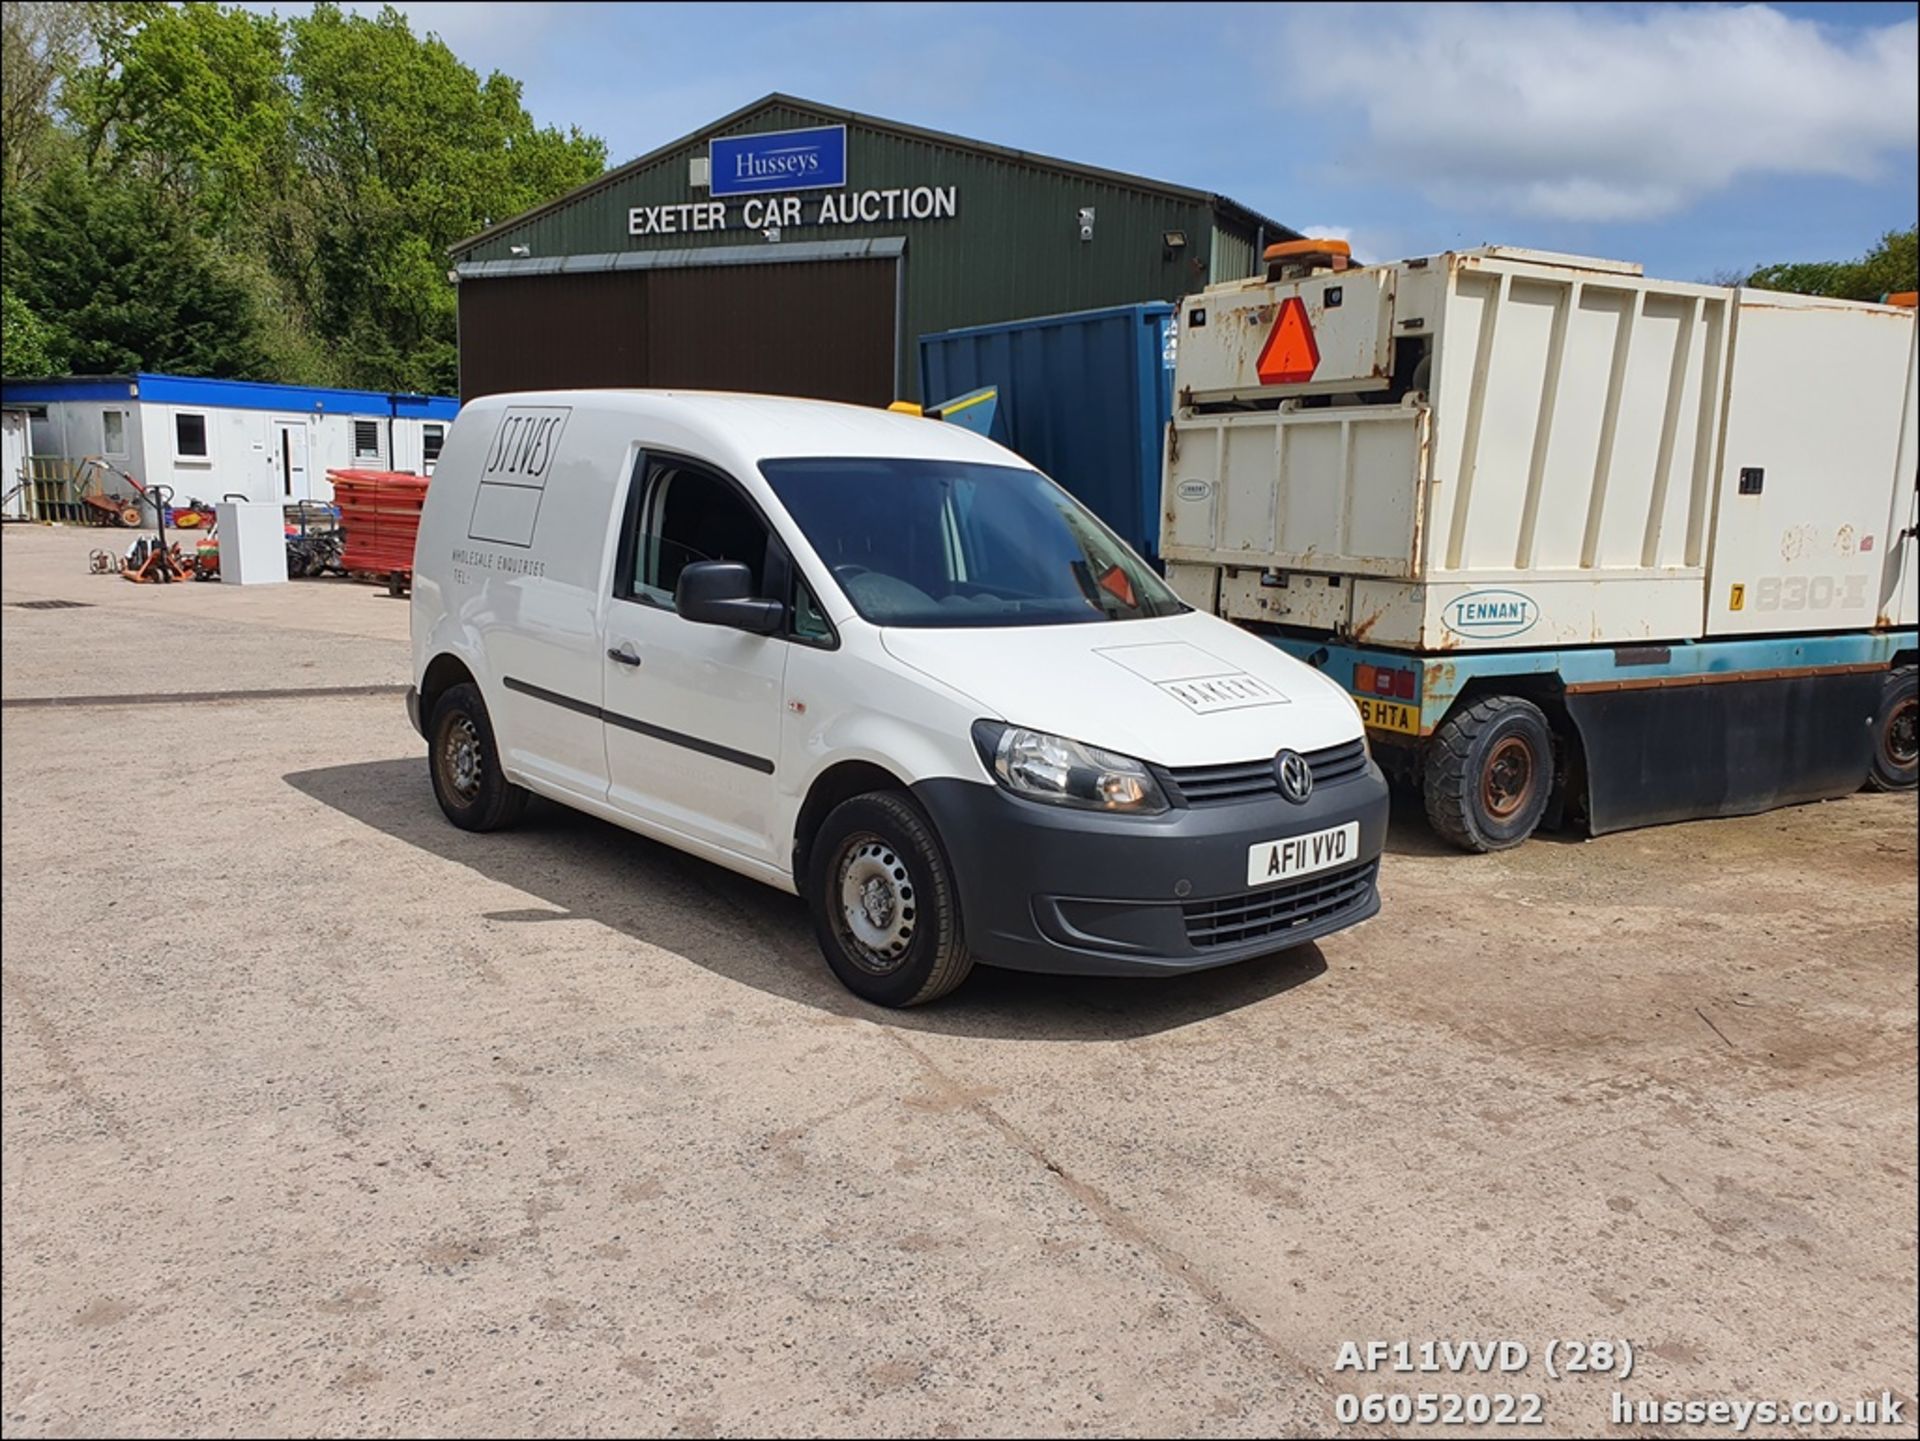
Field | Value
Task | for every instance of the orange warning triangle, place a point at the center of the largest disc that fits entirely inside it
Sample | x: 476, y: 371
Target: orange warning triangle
x: 1290, y: 355
x: 1114, y: 581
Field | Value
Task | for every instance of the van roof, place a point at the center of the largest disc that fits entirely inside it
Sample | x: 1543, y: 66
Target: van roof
x: 752, y: 428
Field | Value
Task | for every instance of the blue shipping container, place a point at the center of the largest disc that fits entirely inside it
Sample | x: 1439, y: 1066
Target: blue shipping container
x: 1085, y: 397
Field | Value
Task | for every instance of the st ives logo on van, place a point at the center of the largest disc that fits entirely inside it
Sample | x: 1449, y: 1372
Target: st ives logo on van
x: 1490, y: 614
x: 524, y: 443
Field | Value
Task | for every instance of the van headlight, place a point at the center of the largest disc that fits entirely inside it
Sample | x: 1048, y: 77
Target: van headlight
x: 1064, y: 772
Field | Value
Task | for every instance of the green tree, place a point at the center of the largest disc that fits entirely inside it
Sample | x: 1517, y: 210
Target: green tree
x: 199, y: 187
x: 40, y: 43
x: 1890, y: 266
x: 131, y: 283
x: 28, y: 345
x: 407, y: 150
x: 194, y: 99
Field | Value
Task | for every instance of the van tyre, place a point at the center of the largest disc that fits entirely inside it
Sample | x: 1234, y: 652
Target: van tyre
x: 1894, y: 757
x: 1489, y: 774
x: 464, y: 761
x: 883, y: 901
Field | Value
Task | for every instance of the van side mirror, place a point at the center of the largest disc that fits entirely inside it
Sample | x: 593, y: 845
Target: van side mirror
x: 720, y: 592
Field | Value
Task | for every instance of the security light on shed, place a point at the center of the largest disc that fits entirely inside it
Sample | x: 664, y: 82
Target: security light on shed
x: 1173, y: 242
x: 1086, y: 222
x: 520, y: 250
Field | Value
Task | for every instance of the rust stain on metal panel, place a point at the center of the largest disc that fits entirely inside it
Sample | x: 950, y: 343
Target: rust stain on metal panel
x: 1721, y: 677
x: 1365, y: 628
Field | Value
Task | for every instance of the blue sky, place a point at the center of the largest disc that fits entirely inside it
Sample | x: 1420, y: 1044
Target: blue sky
x: 1695, y: 138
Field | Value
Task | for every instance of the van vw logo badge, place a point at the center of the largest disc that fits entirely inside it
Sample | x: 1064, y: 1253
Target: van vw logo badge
x: 1290, y: 768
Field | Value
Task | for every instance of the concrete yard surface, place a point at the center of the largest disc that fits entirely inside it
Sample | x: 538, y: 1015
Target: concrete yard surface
x: 322, y: 1116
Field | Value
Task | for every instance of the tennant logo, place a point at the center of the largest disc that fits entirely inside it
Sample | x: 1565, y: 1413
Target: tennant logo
x: 784, y: 160
x: 1490, y: 614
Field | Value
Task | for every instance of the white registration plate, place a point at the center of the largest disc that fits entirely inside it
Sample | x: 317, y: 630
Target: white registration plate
x: 1271, y: 861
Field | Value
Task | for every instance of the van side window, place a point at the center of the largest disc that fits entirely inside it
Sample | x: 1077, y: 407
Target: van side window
x: 688, y: 514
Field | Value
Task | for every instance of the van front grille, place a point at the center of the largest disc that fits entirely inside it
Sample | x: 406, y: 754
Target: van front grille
x: 1244, y: 780
x: 1276, y: 910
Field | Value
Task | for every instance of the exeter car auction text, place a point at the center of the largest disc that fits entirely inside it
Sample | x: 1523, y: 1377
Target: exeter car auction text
x: 757, y: 212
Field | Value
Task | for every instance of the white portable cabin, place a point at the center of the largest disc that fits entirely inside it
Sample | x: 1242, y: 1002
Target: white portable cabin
x: 209, y: 439
x: 1503, y: 448
x: 15, y: 423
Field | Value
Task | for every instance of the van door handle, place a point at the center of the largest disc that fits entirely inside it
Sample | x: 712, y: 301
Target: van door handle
x: 623, y: 653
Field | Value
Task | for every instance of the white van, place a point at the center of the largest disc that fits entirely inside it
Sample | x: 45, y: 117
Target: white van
x: 885, y: 664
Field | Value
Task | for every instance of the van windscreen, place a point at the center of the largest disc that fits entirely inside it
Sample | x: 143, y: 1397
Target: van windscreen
x: 938, y: 543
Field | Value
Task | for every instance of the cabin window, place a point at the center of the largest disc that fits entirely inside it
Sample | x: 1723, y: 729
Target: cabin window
x: 190, y: 435
x: 113, y: 432
x: 366, y: 440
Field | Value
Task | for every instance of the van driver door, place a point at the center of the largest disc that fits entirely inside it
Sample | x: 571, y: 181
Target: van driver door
x: 693, y: 712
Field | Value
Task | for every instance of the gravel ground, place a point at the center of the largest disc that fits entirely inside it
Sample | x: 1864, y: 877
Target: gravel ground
x: 321, y: 1116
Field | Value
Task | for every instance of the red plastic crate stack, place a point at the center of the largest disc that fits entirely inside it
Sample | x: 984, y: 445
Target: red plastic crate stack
x: 380, y: 512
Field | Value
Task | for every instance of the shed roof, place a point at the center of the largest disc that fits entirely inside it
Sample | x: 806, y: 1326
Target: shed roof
x: 607, y: 179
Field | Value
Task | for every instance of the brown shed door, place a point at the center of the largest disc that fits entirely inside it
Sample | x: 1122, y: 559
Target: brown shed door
x: 820, y: 328
x: 815, y: 328
x: 553, y: 332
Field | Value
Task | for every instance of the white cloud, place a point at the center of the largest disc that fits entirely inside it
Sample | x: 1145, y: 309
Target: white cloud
x: 1576, y: 113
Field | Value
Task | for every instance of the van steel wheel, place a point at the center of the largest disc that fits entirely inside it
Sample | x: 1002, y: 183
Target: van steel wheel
x: 1489, y: 774
x: 1896, y: 745
x: 875, y: 916
x: 464, y: 763
x: 461, y: 759
x: 883, y: 902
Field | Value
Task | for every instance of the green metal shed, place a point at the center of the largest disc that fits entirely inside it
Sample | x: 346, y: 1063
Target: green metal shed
x: 796, y: 248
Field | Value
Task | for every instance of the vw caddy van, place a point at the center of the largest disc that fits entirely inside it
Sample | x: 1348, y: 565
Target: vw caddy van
x: 883, y: 663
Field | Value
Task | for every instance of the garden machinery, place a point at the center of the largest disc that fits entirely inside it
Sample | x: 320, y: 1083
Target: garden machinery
x: 155, y: 562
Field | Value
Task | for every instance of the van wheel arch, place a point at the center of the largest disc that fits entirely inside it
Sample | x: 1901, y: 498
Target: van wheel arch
x: 444, y: 672
x: 839, y: 782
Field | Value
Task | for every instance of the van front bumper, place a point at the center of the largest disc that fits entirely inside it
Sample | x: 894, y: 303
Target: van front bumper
x: 1049, y: 888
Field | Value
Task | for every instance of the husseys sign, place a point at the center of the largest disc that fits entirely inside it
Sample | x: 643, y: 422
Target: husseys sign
x: 813, y: 159
x: 751, y: 178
